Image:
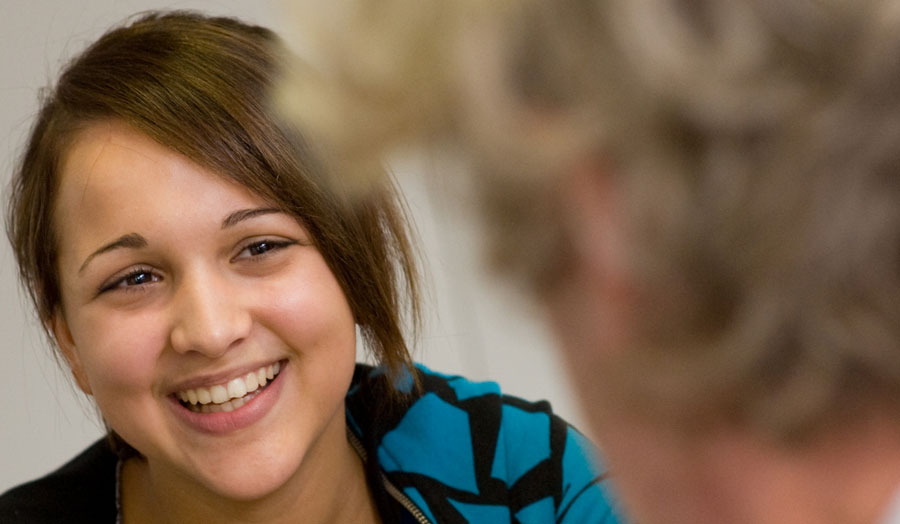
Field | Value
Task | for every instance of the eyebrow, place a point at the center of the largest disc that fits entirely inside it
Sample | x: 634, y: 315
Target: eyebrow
x: 136, y: 241
x: 246, y: 214
x: 131, y: 240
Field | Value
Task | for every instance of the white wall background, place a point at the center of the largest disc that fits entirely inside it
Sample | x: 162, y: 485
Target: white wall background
x: 474, y: 328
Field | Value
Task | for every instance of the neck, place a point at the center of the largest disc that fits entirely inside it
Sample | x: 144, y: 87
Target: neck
x: 847, y: 475
x: 330, y: 489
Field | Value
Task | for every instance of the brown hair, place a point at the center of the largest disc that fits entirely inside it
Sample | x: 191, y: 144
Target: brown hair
x: 755, y: 144
x: 200, y: 86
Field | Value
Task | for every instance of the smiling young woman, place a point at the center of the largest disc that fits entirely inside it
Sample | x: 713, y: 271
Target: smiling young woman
x: 205, y: 284
x: 204, y: 290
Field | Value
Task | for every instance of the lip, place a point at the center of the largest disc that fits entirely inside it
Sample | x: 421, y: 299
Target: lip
x: 226, y: 422
x: 222, y: 377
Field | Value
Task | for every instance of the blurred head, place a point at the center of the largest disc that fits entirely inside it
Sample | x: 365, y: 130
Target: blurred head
x: 704, y: 194
x: 197, y: 87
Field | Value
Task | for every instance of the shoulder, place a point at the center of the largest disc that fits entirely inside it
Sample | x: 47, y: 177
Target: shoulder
x: 465, y: 449
x: 83, y: 490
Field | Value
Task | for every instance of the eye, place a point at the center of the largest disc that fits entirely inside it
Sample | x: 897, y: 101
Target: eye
x: 259, y: 249
x: 132, y: 281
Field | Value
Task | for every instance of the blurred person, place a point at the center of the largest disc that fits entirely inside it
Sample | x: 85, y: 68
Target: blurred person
x: 704, y: 197
x: 206, y: 285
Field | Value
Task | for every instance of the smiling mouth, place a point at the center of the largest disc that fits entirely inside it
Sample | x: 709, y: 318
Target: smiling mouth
x: 230, y: 395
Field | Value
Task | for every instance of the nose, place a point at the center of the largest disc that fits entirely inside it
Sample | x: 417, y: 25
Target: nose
x: 208, y: 316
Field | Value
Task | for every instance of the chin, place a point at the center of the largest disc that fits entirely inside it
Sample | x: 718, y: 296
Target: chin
x: 251, y: 483
x: 249, y: 476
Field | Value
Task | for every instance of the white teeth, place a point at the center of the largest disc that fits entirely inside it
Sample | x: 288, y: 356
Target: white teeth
x: 231, y: 405
x: 236, y: 388
x: 261, y: 377
x: 219, y: 394
x: 251, y: 382
x: 203, y: 396
x: 231, y: 395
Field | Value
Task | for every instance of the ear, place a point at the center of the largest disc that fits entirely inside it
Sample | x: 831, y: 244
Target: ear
x: 63, y: 336
x: 593, y: 219
x: 592, y: 305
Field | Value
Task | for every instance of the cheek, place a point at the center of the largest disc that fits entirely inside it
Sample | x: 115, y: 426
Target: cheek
x: 118, y: 353
x: 659, y: 485
x: 591, y: 322
x: 578, y: 325
x: 313, y: 318
x: 316, y: 326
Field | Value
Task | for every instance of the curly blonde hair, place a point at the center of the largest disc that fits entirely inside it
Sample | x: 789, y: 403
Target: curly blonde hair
x: 756, y: 144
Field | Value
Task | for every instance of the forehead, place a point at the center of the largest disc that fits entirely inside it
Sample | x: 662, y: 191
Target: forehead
x: 108, y: 155
x: 109, y: 151
x: 114, y: 178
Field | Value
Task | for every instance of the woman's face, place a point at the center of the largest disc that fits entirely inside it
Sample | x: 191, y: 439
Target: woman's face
x: 178, y: 284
